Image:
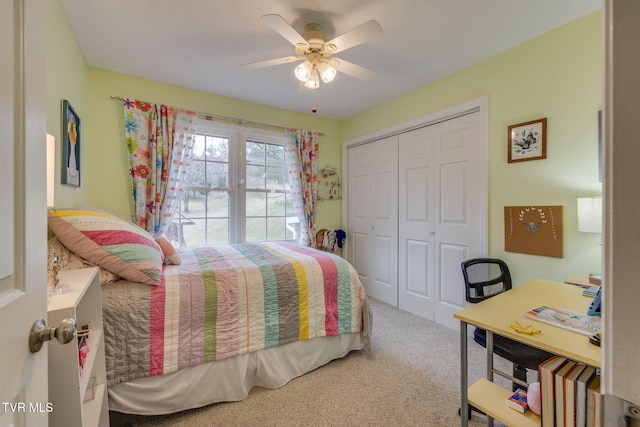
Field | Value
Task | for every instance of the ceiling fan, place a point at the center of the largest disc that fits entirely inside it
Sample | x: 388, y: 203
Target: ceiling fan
x: 315, y: 49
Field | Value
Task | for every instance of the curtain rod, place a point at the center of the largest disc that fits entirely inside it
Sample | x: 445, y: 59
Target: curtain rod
x: 232, y: 120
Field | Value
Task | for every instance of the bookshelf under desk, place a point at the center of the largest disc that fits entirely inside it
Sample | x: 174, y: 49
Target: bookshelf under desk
x: 495, y: 315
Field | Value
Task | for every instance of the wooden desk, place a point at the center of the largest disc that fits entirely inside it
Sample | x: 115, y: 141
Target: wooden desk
x: 495, y: 315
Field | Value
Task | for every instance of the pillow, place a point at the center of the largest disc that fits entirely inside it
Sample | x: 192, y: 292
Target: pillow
x: 169, y: 251
x: 109, y: 242
x: 71, y: 261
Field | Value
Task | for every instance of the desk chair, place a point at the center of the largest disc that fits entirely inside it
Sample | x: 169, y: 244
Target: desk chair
x: 484, y: 278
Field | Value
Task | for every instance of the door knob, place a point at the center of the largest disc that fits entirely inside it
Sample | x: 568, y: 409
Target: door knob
x: 40, y: 333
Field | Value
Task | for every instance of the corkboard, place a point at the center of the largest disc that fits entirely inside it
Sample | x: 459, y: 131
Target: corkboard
x: 535, y: 230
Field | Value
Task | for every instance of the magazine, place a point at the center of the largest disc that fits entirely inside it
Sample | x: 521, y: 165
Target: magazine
x: 571, y: 320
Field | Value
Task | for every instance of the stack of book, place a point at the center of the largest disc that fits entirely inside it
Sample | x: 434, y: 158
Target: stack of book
x: 570, y: 393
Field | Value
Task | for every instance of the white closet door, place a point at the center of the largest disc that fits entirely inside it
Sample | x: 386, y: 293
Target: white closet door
x: 373, y: 217
x: 460, y: 209
x: 441, y: 219
x: 416, y: 222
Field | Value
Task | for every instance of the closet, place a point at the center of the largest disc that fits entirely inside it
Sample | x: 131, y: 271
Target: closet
x: 416, y: 208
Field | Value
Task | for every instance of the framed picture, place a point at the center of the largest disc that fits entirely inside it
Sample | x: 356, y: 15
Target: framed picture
x: 70, y: 145
x: 528, y: 141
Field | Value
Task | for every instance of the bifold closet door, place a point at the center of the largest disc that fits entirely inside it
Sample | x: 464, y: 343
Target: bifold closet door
x: 373, y: 217
x: 440, y: 221
x: 416, y: 222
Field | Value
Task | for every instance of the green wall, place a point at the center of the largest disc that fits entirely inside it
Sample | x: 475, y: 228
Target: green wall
x: 558, y: 76
x: 67, y: 78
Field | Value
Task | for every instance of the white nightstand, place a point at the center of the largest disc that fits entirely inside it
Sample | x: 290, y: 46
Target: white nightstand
x: 79, y: 399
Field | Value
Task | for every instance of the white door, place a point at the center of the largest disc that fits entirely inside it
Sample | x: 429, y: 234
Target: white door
x: 23, y: 230
x: 373, y: 217
x: 441, y: 220
x: 460, y: 205
x: 416, y: 222
x: 621, y: 376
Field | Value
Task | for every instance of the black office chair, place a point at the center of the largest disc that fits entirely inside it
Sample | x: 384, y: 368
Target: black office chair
x: 484, y: 278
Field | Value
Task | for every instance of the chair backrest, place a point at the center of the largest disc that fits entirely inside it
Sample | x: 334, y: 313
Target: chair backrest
x: 484, y: 278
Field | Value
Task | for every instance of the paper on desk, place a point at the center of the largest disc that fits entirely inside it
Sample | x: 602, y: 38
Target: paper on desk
x: 567, y: 319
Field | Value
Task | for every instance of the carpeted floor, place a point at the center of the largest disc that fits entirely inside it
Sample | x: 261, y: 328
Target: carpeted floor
x: 412, y: 378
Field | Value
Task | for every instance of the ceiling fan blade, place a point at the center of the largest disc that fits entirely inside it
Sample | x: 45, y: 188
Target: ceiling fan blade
x: 270, y: 62
x: 281, y: 26
x: 351, y: 69
x: 365, y: 32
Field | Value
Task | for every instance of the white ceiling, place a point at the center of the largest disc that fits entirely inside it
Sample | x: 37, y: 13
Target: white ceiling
x: 200, y: 44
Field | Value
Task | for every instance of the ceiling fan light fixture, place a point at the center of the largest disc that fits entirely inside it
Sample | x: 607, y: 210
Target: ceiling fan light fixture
x: 313, y: 82
x: 303, y: 71
x: 327, y: 72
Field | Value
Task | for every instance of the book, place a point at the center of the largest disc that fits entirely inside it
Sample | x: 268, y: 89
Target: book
x: 591, y: 291
x: 546, y: 374
x: 570, y: 394
x: 593, y: 403
x: 577, y: 322
x: 559, y: 391
x: 518, y: 401
x: 583, y: 381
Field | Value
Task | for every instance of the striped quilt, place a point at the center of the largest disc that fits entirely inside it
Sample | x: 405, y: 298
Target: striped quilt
x: 224, y: 301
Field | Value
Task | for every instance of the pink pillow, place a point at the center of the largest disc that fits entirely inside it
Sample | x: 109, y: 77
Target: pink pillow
x: 169, y: 251
x: 109, y: 242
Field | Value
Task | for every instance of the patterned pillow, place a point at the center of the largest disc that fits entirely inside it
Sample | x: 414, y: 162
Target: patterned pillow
x: 109, y: 242
x: 71, y: 261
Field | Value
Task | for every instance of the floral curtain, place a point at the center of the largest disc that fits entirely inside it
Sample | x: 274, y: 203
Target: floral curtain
x: 302, y: 163
x: 160, y: 139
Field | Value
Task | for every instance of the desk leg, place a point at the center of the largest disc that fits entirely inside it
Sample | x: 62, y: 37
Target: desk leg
x: 464, y: 402
x: 489, y: 345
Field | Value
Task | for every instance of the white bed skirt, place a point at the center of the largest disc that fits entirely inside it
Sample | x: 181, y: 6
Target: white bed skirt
x: 228, y: 380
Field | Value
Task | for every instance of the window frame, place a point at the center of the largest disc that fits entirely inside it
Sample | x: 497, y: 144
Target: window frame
x: 238, y: 137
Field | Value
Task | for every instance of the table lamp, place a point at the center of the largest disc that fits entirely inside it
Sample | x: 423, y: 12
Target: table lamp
x: 590, y: 221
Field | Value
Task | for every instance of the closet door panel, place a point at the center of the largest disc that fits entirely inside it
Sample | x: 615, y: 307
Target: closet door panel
x: 459, y: 218
x: 384, y: 230
x: 453, y: 188
x: 373, y: 217
x: 416, y: 222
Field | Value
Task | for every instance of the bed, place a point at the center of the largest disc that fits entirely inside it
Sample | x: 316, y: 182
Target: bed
x: 225, y: 319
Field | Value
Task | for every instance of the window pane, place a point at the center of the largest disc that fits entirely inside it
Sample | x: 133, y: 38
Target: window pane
x: 217, y: 174
x: 275, y: 178
x: 194, y: 174
x: 218, y: 204
x: 198, y: 148
x: 217, y: 149
x: 256, y: 177
x: 276, y: 229
x: 256, y: 204
x: 275, y: 204
x: 192, y: 232
x: 193, y: 203
x: 275, y: 155
x: 217, y: 231
x: 256, y: 229
x: 255, y: 153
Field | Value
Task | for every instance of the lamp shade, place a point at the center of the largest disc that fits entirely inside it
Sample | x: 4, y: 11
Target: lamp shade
x: 590, y: 214
x: 327, y: 72
x: 303, y: 71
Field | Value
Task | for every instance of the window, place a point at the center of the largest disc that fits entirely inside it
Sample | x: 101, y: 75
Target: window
x: 236, y: 189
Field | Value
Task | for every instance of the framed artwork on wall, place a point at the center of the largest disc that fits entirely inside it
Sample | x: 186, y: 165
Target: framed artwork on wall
x: 70, y: 145
x: 528, y: 141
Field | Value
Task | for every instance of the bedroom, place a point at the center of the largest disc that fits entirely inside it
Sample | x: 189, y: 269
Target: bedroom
x: 565, y: 172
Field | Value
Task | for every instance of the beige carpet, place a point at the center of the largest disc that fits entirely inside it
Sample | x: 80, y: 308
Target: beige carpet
x: 412, y: 378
